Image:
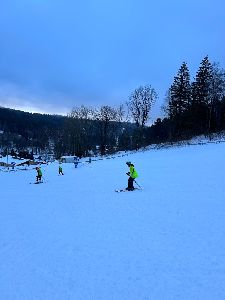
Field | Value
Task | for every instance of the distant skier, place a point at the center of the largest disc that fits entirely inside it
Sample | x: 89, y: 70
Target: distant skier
x: 60, y: 170
x: 132, y: 175
x: 76, y: 161
x: 39, y: 174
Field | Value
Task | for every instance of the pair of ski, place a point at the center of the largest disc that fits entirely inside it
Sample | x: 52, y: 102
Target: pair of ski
x: 125, y: 190
x: 37, y: 182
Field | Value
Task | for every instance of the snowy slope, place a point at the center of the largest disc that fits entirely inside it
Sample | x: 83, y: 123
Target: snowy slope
x: 73, y: 237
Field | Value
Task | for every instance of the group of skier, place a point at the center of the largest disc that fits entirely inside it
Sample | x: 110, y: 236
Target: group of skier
x: 39, y: 173
x: 130, y: 186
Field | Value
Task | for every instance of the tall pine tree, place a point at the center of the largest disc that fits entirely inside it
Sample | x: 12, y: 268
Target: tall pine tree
x: 203, y: 82
x: 180, y: 92
x: 179, y: 96
x: 201, y: 96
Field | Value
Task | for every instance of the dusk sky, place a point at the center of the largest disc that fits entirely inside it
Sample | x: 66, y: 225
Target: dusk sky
x: 56, y: 54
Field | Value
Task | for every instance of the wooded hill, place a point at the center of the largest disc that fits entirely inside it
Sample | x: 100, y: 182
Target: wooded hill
x: 60, y: 134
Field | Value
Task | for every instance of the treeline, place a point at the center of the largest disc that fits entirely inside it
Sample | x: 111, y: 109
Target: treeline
x: 85, y: 131
x: 198, y: 106
x: 90, y: 130
x: 109, y: 128
x: 191, y: 108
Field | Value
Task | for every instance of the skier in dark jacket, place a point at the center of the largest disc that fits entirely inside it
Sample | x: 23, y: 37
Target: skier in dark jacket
x: 132, y: 175
x: 60, y: 170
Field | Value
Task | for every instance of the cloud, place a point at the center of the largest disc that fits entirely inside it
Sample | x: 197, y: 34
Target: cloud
x: 57, y: 54
x: 14, y: 97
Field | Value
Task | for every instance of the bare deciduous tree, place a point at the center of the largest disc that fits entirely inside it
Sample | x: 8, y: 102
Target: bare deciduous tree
x: 79, y: 128
x: 106, y: 115
x: 82, y: 113
x: 140, y: 104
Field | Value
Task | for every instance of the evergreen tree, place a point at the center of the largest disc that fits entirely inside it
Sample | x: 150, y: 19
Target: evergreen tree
x: 203, y: 83
x: 180, y: 92
x: 201, y: 96
x: 179, y: 99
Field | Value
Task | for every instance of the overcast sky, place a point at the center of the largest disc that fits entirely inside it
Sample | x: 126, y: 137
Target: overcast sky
x: 56, y: 54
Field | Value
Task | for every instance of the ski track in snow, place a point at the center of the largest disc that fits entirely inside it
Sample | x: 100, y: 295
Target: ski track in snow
x: 75, y: 238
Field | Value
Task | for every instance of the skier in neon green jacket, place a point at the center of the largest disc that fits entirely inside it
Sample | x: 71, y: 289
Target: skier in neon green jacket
x: 132, y: 175
x: 39, y: 174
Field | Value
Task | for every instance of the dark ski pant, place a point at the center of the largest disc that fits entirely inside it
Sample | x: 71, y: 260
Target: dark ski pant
x: 130, y: 183
x: 38, y: 177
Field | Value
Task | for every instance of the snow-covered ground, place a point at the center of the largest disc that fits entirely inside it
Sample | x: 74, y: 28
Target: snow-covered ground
x: 73, y: 237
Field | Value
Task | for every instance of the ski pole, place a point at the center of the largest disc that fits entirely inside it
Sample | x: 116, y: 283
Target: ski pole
x: 135, y: 181
x: 137, y: 184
